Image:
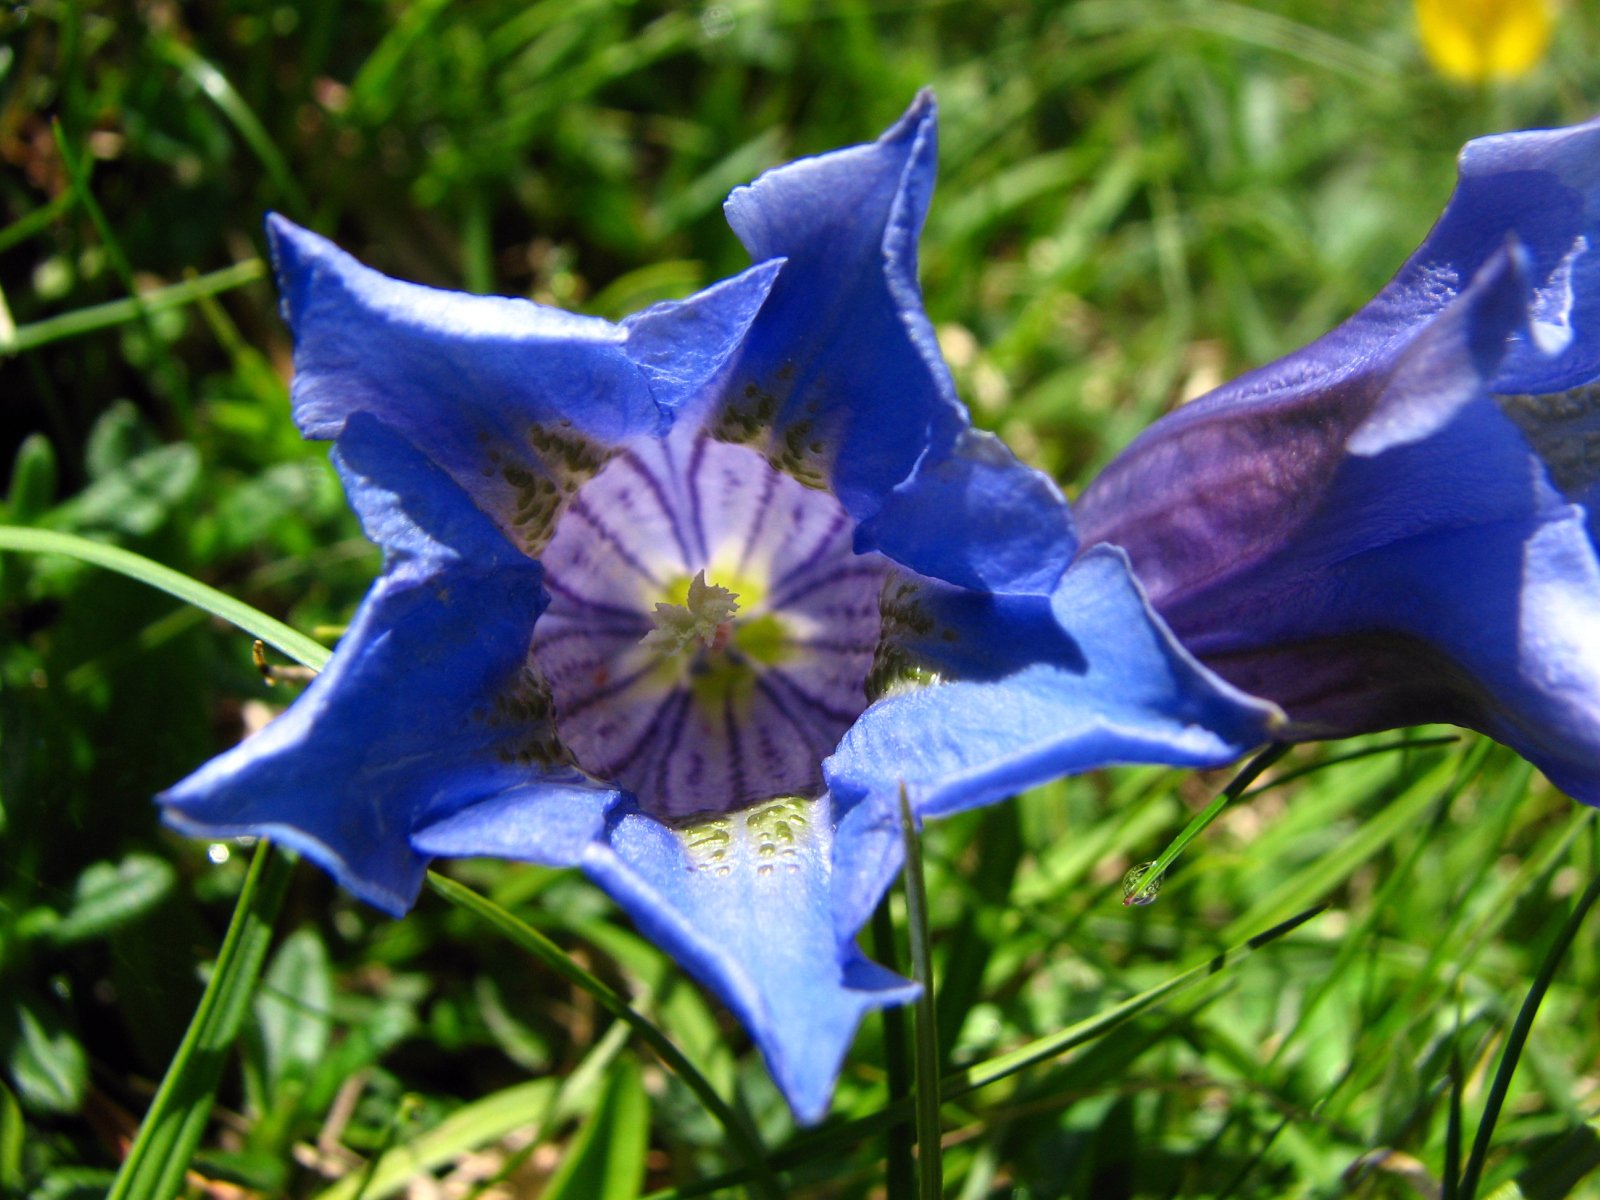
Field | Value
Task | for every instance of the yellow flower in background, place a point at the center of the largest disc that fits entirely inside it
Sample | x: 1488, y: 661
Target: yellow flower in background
x: 1478, y: 40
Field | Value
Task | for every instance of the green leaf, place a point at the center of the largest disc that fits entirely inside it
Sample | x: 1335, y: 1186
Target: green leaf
x: 1517, y: 1038
x: 12, y: 1133
x: 43, y: 1058
x: 33, y: 479
x: 1563, y: 1165
x: 120, y: 435
x: 108, y: 895
x: 525, y: 1106
x: 136, y: 498
x: 925, y: 1025
x: 292, y: 1006
x: 606, y: 1160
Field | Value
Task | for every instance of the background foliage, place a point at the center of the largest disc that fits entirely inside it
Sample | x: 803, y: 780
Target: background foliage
x: 1139, y: 198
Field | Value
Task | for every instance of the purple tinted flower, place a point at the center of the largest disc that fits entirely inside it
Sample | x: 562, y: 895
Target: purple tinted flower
x: 686, y: 601
x: 1397, y: 524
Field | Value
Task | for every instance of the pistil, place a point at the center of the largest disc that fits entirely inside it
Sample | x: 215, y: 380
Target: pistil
x: 704, y: 621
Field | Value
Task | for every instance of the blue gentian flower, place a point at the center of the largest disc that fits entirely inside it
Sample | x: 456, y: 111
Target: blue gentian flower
x: 686, y: 601
x: 1397, y: 524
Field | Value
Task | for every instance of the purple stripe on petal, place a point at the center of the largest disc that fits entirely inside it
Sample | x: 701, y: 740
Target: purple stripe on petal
x: 569, y: 604
x: 821, y: 702
x: 651, y: 467
x: 613, y: 541
x: 806, y: 540
x: 817, y: 730
x: 792, y: 592
x: 752, y: 535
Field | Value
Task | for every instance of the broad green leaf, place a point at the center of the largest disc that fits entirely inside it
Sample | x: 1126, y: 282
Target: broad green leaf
x: 108, y: 895
x: 33, y: 480
x: 118, y: 437
x: 606, y: 1159
x: 135, y: 498
x: 43, y: 1058
x: 12, y: 1133
x: 292, y: 1006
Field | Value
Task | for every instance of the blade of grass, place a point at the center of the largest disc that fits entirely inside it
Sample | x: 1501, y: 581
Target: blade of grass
x: 37, y: 221
x: 900, y: 1173
x: 925, y: 1024
x: 215, y: 86
x: 1518, y: 1038
x: 523, y: 1106
x: 808, y: 1146
x: 1141, y: 888
x: 119, y: 312
x: 136, y: 566
x: 171, y: 1129
x: 162, y: 362
x: 740, y: 1133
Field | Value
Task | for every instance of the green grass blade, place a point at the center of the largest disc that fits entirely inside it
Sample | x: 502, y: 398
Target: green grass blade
x: 164, y: 1147
x: 900, y: 1171
x: 925, y: 1039
x: 35, y: 222
x: 216, y: 88
x: 136, y: 566
x: 527, y: 1105
x: 1518, y: 1038
x: 996, y: 1069
x: 119, y: 312
x: 809, y: 1146
x: 606, y: 1160
x: 740, y: 1134
x: 1141, y: 888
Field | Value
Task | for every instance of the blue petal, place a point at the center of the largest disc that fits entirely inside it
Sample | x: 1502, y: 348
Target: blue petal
x: 552, y: 821
x: 683, y: 346
x: 1493, y: 627
x: 1135, y: 695
x: 1485, y: 615
x: 513, y: 400
x: 1384, y: 552
x: 1234, y: 479
x: 744, y: 903
x: 978, y: 518
x: 1540, y: 189
x: 1543, y: 188
x: 842, y: 375
x: 398, y: 723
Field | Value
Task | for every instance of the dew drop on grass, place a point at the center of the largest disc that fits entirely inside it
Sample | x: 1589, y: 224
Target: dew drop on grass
x: 1138, y: 891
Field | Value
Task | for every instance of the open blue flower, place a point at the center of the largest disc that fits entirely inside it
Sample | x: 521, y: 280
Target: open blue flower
x: 1397, y: 524
x: 685, y: 601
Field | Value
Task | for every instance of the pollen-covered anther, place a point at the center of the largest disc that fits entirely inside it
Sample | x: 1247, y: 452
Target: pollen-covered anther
x: 704, y: 621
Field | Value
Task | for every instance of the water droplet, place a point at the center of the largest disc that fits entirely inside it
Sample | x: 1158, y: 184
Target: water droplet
x: 1137, y: 891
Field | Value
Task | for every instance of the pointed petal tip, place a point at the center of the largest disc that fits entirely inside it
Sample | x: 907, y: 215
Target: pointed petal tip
x: 1452, y: 360
x: 922, y: 112
x: 296, y: 253
x: 393, y: 902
